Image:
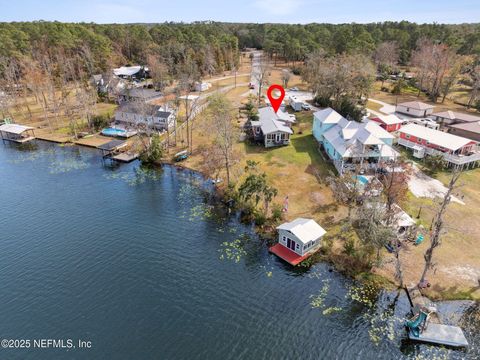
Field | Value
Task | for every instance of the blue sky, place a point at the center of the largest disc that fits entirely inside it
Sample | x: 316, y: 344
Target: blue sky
x: 282, y: 11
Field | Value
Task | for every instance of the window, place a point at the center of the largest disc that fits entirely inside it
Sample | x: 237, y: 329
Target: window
x: 408, y: 109
x: 284, y: 238
x: 304, y: 247
x: 297, y: 246
x: 407, y: 136
x: 419, y: 141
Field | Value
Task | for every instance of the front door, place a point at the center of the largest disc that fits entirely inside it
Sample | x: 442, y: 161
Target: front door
x: 278, y: 137
x: 291, y: 244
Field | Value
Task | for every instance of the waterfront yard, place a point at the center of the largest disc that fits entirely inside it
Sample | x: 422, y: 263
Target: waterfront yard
x: 457, y: 271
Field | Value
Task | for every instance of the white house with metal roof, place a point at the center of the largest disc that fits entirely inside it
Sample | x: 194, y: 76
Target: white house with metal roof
x: 297, y: 240
x: 349, y: 143
x: 274, y: 129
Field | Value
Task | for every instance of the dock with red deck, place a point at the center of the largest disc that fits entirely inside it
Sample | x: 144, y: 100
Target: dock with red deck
x: 288, y: 255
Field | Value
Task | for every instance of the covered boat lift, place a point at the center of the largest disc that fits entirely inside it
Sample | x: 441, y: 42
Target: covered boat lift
x: 17, y: 133
x: 113, y: 150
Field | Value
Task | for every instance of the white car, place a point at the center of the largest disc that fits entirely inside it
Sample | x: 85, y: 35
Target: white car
x: 294, y: 89
x: 306, y: 107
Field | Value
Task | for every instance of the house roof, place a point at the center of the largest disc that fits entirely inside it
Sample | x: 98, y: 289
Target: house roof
x: 330, y: 116
x: 279, y: 115
x: 146, y: 109
x: 271, y: 122
x: 436, y: 137
x: 453, y: 115
x: 416, y: 105
x: 378, y: 131
x: 15, y: 128
x: 305, y: 230
x: 473, y: 127
x: 141, y: 93
x: 348, y: 137
x: 127, y: 70
x: 389, y: 119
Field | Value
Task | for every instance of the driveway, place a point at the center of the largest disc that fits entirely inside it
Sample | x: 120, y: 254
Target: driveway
x: 422, y: 185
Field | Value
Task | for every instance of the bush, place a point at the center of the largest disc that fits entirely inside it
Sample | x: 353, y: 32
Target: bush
x: 277, y: 212
x: 322, y: 101
x: 349, y: 246
x: 260, y: 218
x: 154, y: 152
x: 349, y: 109
x: 100, y: 121
x: 296, y: 70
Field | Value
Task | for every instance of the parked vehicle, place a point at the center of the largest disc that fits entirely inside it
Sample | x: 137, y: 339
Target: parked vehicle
x: 306, y: 107
x: 294, y: 89
x: 251, y: 86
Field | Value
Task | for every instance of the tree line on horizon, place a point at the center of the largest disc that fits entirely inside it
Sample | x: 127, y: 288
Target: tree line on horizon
x: 214, y: 47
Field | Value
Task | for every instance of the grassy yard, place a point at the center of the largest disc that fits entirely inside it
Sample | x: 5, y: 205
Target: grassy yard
x: 457, y: 271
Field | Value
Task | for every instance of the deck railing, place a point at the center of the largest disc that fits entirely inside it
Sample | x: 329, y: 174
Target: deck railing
x: 454, y: 159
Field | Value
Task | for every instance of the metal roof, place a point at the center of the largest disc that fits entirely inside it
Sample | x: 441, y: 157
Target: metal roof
x: 112, y: 145
x: 436, y: 137
x: 305, y: 230
x: 15, y: 128
x: 269, y: 122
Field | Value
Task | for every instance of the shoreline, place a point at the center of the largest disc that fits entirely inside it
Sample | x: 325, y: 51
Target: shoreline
x: 370, y: 277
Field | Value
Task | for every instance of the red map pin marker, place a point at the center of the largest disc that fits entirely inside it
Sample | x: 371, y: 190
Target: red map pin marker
x: 278, y: 101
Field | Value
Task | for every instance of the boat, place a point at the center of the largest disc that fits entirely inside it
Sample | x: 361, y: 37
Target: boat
x: 180, y: 156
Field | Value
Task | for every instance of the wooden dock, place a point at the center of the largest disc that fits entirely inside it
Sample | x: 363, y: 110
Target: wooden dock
x: 125, y: 157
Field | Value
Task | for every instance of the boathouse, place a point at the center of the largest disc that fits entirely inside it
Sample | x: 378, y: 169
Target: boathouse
x: 115, y: 150
x: 297, y: 240
x: 17, y: 133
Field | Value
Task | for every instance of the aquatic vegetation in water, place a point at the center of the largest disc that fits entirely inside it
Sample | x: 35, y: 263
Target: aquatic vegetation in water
x: 383, y: 325
x: 318, y: 301
x: 364, y: 294
x: 233, y: 250
x: 139, y: 175
x: 331, y: 310
x: 32, y: 156
x: 67, y: 165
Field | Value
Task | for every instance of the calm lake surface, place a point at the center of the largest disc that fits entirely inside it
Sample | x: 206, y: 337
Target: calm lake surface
x: 137, y: 263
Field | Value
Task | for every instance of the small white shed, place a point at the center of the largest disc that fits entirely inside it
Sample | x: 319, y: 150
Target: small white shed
x: 301, y: 235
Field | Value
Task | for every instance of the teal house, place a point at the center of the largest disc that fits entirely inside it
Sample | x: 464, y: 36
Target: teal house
x: 350, y: 143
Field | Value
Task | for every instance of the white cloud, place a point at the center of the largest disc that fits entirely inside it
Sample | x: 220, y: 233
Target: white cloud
x: 278, y: 7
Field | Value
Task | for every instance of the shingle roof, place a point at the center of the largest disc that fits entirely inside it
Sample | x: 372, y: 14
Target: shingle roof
x: 305, y: 230
x: 453, y: 115
x: 473, y: 127
x: 146, y: 109
x: 416, y: 105
x: 436, y: 137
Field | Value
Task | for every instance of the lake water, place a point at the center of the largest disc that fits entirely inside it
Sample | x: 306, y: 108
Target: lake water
x: 137, y: 263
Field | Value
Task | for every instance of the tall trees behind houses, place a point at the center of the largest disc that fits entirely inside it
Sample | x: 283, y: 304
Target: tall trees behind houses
x: 437, y: 67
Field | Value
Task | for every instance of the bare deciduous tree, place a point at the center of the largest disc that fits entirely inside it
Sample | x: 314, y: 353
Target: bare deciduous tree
x: 437, y: 225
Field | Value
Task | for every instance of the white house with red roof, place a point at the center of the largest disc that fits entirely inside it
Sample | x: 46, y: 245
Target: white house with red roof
x: 456, y: 150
